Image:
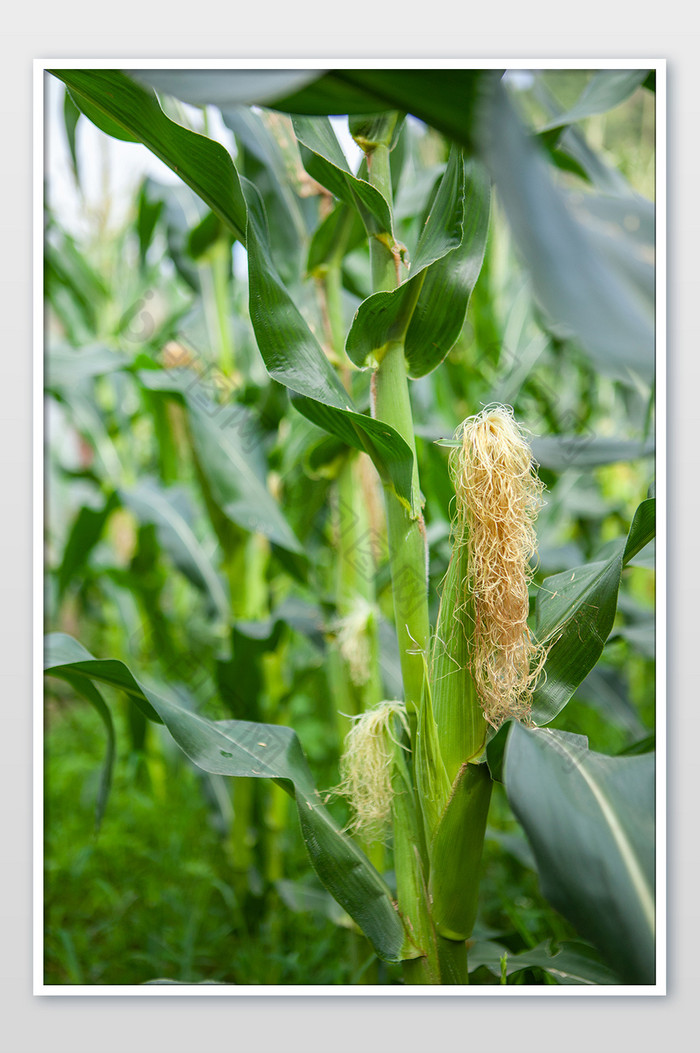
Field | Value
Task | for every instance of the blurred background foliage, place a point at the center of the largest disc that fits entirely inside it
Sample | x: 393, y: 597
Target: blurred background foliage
x: 194, y: 526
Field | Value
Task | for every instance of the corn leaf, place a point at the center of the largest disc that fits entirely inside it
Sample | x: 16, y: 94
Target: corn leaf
x: 576, y: 610
x: 429, y: 307
x: 572, y: 962
x: 169, y: 510
x: 325, y: 162
x: 590, y: 821
x: 242, y: 748
x: 605, y: 90
x: 573, y: 264
x: 293, y: 356
x: 439, y: 315
x: 225, y: 437
x: 444, y: 98
x: 115, y: 102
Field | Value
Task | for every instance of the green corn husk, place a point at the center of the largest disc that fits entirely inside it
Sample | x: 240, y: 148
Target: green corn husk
x: 455, y: 793
x: 459, y: 719
x: 484, y: 660
x: 455, y: 854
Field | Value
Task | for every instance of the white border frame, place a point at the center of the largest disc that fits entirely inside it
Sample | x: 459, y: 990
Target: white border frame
x: 41, y: 66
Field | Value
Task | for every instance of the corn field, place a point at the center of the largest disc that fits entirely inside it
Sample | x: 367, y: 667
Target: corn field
x: 350, y: 519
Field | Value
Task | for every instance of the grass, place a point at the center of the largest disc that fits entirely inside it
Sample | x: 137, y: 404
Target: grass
x: 152, y: 895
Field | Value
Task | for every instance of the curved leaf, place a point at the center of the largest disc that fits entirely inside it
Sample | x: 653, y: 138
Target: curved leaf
x: 574, y: 962
x: 168, y: 510
x: 444, y: 98
x: 580, y: 274
x: 576, y: 610
x: 224, y: 87
x: 590, y: 821
x: 325, y: 162
x: 429, y: 307
x: 241, y: 748
x: 605, y: 90
x: 200, y: 162
x: 225, y: 437
x: 293, y: 356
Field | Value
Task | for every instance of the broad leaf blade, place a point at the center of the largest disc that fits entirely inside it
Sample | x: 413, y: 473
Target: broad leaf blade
x: 200, y: 162
x: 574, y: 962
x: 429, y: 307
x: 577, y: 272
x: 225, y: 437
x: 325, y: 162
x: 168, y: 510
x: 575, y: 614
x: 293, y: 356
x: 443, y: 98
x: 590, y: 821
x: 605, y: 90
x: 242, y: 748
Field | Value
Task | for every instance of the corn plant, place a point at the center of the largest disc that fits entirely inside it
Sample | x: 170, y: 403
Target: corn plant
x: 392, y: 285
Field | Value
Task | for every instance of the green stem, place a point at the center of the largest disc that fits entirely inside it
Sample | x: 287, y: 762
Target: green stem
x: 405, y: 528
x: 409, y: 575
x: 405, y: 533
x: 219, y: 266
x: 452, y: 956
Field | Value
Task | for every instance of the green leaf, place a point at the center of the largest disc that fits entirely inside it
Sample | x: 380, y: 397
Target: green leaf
x: 325, y: 162
x: 559, y: 452
x: 225, y: 437
x: 111, y: 99
x: 293, y: 356
x: 439, y: 315
x: 583, y: 276
x: 168, y: 509
x: 429, y: 307
x: 339, y: 233
x: 573, y: 962
x: 445, y: 98
x: 576, y: 610
x: 241, y: 748
x: 590, y: 821
x: 605, y: 90
x: 71, y: 116
x: 262, y: 160
x: 84, y: 534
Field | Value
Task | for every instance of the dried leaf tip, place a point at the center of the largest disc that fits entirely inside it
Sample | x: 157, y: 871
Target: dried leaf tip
x: 498, y: 496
